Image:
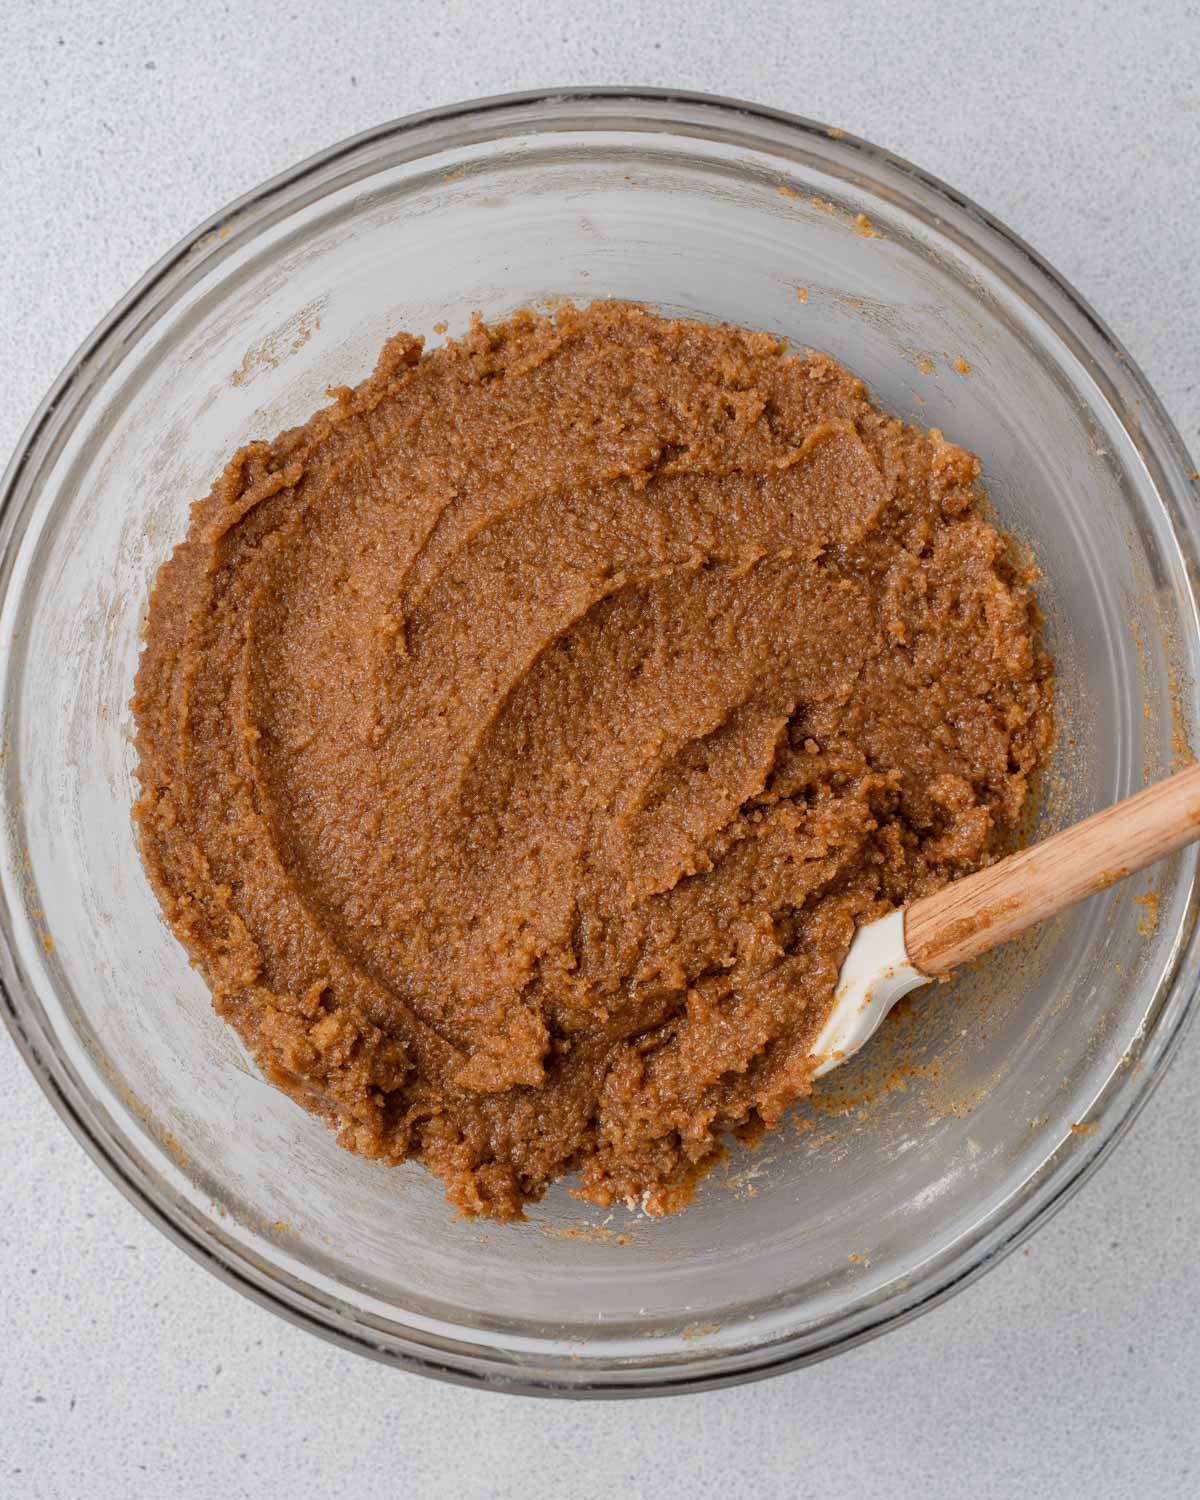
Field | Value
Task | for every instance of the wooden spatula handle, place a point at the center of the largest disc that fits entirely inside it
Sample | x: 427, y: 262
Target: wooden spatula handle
x: 983, y: 910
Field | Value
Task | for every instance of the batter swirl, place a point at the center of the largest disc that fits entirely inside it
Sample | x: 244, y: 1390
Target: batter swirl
x: 522, y: 739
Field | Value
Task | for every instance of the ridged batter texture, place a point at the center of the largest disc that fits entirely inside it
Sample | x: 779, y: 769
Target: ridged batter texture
x: 523, y: 738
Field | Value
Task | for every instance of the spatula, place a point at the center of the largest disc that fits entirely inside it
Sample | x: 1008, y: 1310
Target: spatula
x: 931, y: 936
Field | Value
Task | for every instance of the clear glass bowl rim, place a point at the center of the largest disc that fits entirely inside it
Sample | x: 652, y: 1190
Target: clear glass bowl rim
x: 491, y: 119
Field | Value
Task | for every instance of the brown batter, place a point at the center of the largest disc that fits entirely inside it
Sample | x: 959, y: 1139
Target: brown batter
x: 524, y: 737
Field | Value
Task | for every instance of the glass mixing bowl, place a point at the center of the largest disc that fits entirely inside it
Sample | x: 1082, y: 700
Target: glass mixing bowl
x: 916, y: 1166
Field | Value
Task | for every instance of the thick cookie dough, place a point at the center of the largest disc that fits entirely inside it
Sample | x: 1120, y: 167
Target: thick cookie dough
x: 522, y: 739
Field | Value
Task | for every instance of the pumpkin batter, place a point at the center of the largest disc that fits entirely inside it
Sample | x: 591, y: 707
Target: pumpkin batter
x: 522, y: 739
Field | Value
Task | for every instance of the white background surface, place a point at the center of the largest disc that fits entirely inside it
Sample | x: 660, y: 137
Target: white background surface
x: 1072, y: 1370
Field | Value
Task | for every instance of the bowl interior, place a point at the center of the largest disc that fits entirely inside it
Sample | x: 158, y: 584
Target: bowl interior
x: 922, y: 1147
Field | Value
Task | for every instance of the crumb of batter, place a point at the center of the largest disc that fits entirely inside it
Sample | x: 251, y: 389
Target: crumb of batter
x: 523, y: 738
x: 1148, y: 921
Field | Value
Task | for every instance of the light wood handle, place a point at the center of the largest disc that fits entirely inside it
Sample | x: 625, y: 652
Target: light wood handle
x: 983, y: 910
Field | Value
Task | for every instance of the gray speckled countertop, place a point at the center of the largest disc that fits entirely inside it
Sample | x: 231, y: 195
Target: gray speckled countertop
x: 1072, y: 1368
